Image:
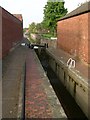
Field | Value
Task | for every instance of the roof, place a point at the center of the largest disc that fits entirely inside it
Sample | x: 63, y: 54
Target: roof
x: 19, y: 16
x: 84, y: 8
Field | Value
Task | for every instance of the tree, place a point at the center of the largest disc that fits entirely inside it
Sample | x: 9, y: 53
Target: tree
x: 39, y: 27
x: 24, y: 30
x: 32, y: 27
x: 52, y: 12
x: 35, y: 27
x: 34, y: 32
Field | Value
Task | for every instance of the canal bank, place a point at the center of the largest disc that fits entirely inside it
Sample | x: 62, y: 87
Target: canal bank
x: 53, y: 66
x: 41, y: 101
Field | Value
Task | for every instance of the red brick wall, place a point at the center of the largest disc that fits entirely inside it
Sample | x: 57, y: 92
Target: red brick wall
x: 72, y: 35
x: 0, y: 33
x: 11, y: 31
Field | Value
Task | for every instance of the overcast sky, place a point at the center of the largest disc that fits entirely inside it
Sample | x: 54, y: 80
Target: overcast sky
x: 32, y: 10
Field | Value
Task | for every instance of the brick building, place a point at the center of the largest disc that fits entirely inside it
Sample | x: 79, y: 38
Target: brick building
x: 19, y: 16
x: 0, y: 33
x: 11, y: 31
x: 73, y: 33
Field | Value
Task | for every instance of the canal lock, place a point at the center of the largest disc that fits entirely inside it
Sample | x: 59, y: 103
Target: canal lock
x: 69, y: 105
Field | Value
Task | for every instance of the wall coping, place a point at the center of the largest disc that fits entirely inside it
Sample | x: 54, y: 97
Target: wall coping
x: 84, y: 8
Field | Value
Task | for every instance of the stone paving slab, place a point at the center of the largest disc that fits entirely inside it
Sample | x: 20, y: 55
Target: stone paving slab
x: 40, y: 98
x: 12, y: 67
x: 0, y: 89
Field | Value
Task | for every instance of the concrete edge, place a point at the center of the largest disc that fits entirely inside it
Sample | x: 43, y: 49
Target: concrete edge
x: 70, y: 84
x: 70, y: 70
x: 20, y: 113
x: 57, y: 108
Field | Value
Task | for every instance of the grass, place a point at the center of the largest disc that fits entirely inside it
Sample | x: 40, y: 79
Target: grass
x: 47, y: 36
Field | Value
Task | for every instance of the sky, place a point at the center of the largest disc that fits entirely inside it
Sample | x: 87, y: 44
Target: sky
x: 32, y: 10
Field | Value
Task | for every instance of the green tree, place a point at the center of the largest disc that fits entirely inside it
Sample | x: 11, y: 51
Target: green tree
x: 52, y: 12
x: 32, y: 27
x: 39, y: 27
x: 24, y: 30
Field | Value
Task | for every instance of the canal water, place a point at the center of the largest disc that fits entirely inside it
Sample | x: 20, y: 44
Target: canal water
x: 69, y: 105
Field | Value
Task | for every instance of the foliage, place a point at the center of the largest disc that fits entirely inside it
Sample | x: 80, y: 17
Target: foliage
x: 52, y: 12
x: 24, y: 30
x: 47, y: 36
x: 31, y: 40
x: 35, y: 28
x: 39, y: 27
x: 32, y: 27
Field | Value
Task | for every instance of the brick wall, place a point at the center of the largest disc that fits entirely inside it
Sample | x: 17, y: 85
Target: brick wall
x: 0, y: 33
x: 12, y: 31
x: 73, y: 36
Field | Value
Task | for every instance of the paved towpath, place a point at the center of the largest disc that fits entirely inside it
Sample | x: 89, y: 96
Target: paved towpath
x: 12, y: 69
x: 40, y: 98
